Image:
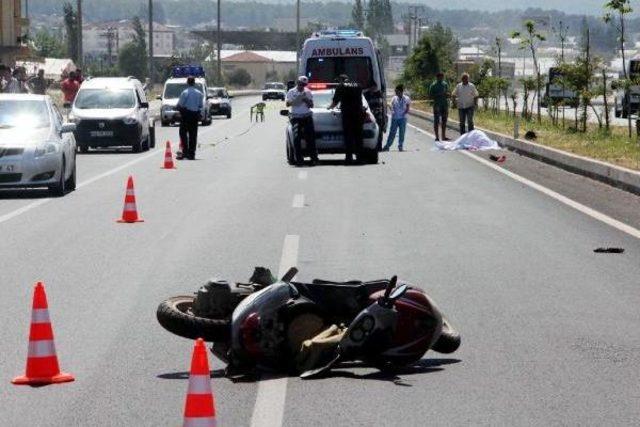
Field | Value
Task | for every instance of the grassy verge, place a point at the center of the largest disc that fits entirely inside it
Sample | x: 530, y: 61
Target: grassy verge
x: 613, y: 147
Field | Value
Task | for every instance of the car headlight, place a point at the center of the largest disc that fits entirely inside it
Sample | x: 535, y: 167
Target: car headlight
x: 130, y: 120
x: 46, y: 149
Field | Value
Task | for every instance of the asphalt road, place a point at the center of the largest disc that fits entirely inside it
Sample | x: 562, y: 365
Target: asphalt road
x: 550, y: 329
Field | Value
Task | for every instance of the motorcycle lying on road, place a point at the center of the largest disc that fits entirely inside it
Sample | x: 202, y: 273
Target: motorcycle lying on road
x: 308, y: 328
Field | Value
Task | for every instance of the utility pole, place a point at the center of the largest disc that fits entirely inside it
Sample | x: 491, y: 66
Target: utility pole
x: 79, y: 23
x: 151, y: 41
x: 298, y: 36
x: 413, y: 24
x: 219, y: 42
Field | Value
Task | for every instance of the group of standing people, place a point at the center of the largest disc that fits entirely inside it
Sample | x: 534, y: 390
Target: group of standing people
x: 16, y: 81
x: 465, y: 95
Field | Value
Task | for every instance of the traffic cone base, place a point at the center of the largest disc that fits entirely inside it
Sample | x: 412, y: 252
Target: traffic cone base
x: 42, y: 361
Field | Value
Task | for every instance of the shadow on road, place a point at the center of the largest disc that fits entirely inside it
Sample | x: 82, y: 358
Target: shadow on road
x: 22, y: 193
x: 217, y: 373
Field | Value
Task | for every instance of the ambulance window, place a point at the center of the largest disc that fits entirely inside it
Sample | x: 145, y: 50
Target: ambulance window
x: 328, y: 69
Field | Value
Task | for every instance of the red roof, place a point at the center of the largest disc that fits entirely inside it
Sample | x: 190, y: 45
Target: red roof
x: 246, y: 56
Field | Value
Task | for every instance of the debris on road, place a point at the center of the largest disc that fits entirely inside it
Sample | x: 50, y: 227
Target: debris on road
x: 42, y: 361
x: 609, y: 250
x: 498, y: 159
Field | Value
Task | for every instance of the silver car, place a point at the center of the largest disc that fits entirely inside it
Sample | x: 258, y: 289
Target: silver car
x: 328, y: 129
x: 37, y: 149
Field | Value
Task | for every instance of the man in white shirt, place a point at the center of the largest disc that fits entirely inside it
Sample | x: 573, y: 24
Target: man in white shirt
x: 400, y: 105
x: 300, y: 99
x: 466, y: 96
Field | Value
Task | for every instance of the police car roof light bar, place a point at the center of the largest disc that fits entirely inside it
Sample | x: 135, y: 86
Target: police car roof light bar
x: 187, y: 70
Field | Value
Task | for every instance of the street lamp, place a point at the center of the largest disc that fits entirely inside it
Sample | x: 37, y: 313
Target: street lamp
x: 219, y: 43
x: 297, y: 36
x: 151, y: 41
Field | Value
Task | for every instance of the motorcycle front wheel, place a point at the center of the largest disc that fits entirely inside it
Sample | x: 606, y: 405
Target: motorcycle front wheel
x: 176, y: 316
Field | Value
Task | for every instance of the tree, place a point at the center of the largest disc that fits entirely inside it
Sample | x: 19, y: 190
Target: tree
x: 357, y: 15
x: 435, y: 51
x: 239, y: 77
x: 531, y: 40
x: 71, y: 27
x: 47, y: 46
x: 132, y: 59
x: 621, y: 8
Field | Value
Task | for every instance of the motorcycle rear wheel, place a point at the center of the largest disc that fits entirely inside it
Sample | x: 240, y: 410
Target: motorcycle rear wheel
x: 449, y: 340
x: 176, y: 316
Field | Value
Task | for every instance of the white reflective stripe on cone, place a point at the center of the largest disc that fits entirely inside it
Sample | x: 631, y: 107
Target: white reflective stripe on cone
x: 40, y: 315
x: 131, y: 192
x: 129, y: 206
x: 200, y: 422
x: 42, y: 348
x: 199, y: 384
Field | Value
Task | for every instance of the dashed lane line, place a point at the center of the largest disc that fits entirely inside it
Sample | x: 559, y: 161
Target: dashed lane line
x: 272, y: 390
x: 606, y: 219
x: 298, y: 201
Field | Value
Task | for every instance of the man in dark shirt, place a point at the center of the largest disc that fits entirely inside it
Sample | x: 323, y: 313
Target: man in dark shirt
x: 349, y: 95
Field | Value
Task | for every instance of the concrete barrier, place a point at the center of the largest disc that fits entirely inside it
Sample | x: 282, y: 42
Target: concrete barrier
x: 616, y: 176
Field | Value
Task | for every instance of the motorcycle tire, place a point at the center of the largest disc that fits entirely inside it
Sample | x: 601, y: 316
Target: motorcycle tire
x: 175, y: 315
x: 449, y: 340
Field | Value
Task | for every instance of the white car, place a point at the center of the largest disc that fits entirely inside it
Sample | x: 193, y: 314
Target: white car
x: 112, y: 112
x: 274, y: 90
x: 173, y: 87
x: 219, y: 102
x: 329, y: 133
x: 37, y: 149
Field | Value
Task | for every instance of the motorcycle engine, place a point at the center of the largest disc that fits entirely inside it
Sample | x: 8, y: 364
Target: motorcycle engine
x: 218, y: 298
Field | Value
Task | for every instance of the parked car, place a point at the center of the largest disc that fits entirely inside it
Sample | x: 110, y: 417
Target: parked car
x: 274, y: 90
x: 329, y: 132
x: 219, y: 102
x: 112, y: 112
x: 37, y: 148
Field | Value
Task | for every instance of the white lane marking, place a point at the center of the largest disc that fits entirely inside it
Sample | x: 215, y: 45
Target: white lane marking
x: 33, y: 205
x: 298, y: 201
x: 303, y: 174
x: 606, y: 219
x: 272, y: 391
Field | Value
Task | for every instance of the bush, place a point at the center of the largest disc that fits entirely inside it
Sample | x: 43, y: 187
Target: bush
x: 239, y: 77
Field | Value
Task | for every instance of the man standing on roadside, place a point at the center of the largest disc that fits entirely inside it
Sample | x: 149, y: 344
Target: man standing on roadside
x: 349, y: 95
x: 400, y: 105
x: 300, y: 99
x: 466, y: 97
x: 12, y: 84
x: 189, y: 106
x: 70, y: 87
x: 38, y: 85
x: 439, y: 94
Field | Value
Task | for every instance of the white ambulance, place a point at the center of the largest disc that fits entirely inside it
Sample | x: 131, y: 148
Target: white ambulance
x: 328, y: 54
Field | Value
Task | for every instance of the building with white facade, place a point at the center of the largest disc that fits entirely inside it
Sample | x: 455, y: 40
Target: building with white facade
x: 12, y: 27
x: 107, y: 38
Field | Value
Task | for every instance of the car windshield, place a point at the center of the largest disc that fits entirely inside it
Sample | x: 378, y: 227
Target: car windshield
x: 173, y: 90
x: 328, y: 69
x: 278, y: 86
x: 30, y: 114
x: 217, y: 93
x: 104, y: 99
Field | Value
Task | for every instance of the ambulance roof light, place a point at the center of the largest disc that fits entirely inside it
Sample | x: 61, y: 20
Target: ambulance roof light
x: 339, y: 33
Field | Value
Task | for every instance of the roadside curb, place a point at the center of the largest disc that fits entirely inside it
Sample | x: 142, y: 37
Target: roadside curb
x: 616, y: 176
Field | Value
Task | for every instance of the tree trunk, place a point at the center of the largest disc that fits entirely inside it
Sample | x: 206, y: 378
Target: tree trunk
x: 606, y: 100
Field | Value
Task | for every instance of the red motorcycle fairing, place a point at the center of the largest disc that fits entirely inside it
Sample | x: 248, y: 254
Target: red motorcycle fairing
x: 418, y: 327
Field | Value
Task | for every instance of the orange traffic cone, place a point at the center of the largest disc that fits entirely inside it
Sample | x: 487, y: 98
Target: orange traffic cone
x: 130, y: 211
x: 168, y: 157
x: 42, y: 362
x: 200, y: 408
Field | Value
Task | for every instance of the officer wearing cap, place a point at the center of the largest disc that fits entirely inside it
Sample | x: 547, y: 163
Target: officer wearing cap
x: 300, y: 99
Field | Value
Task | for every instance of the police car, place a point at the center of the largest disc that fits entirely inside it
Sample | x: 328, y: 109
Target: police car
x: 328, y: 54
x: 174, y: 86
x: 328, y: 128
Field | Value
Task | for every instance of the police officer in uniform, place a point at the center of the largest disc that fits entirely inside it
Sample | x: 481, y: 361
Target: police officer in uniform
x: 349, y: 95
x: 189, y: 106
